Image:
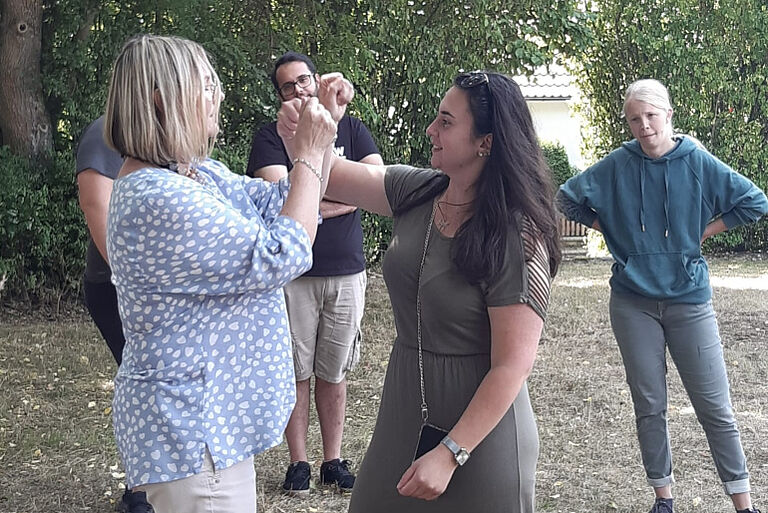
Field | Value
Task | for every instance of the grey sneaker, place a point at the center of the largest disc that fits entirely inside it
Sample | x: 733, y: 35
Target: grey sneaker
x: 662, y: 506
x: 297, y: 479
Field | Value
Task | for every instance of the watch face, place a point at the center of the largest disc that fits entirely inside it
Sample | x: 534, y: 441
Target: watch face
x: 462, y: 456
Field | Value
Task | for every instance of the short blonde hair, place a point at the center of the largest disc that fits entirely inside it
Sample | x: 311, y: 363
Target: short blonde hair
x: 155, y: 108
x: 649, y: 91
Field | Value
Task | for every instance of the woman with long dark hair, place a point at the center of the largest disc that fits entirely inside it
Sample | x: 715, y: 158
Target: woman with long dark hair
x: 473, y: 251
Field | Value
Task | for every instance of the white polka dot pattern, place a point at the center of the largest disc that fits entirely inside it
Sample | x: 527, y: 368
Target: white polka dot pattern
x: 199, y: 270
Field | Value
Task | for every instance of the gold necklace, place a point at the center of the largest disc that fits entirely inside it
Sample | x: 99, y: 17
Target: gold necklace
x: 443, y: 222
x: 449, y: 204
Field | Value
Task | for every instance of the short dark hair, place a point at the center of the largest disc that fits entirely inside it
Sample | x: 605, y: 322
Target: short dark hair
x: 290, y: 57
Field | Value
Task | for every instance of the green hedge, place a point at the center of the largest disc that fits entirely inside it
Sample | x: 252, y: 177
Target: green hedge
x: 42, y: 231
x: 557, y: 159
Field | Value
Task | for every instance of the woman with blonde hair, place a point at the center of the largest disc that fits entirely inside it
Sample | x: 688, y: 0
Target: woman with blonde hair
x: 656, y: 199
x: 199, y: 256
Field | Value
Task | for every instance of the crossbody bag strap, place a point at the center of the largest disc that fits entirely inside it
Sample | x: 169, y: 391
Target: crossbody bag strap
x: 424, y: 408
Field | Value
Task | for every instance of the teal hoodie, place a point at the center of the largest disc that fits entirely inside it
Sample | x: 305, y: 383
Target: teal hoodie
x: 653, y: 213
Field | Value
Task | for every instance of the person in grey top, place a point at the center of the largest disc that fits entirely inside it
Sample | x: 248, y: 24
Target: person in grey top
x: 97, y: 166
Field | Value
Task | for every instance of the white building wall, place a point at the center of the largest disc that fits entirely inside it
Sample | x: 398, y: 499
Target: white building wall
x: 554, y: 122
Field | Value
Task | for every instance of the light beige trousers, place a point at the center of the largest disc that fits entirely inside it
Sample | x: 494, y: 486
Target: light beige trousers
x: 229, y: 490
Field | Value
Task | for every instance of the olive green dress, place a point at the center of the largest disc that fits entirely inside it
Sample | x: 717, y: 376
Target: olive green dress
x: 500, y: 474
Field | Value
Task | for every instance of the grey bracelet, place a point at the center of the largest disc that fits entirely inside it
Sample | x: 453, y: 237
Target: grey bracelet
x: 310, y: 166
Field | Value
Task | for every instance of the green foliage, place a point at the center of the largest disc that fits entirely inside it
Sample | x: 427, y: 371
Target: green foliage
x: 596, y: 247
x: 719, y: 89
x: 377, y: 231
x: 401, y: 56
x: 557, y: 159
x: 42, y: 232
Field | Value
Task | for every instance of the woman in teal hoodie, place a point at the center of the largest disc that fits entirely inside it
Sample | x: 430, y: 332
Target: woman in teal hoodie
x: 656, y: 199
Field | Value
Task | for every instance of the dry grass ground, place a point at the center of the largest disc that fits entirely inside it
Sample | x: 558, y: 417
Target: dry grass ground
x: 57, y: 452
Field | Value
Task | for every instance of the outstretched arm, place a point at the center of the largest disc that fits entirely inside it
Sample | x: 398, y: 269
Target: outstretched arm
x: 358, y: 184
x: 330, y: 208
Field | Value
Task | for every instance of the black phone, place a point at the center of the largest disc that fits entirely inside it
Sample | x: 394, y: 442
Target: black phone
x: 429, y: 437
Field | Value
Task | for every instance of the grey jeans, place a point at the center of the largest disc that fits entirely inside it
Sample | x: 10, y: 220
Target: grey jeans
x: 644, y: 328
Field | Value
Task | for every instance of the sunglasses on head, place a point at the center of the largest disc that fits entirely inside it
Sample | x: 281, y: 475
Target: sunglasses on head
x: 471, y: 79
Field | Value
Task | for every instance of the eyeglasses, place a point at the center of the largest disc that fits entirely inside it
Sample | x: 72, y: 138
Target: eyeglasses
x: 289, y: 88
x: 471, y: 79
x: 210, y: 91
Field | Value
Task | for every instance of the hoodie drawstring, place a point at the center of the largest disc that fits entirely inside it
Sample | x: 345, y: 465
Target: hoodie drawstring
x: 666, y: 198
x: 642, y: 194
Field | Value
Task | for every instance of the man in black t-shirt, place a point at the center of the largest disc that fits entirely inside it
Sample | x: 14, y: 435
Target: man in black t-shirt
x: 97, y: 167
x: 325, y: 305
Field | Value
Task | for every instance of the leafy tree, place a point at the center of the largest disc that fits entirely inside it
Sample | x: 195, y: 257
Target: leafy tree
x: 719, y: 89
x: 24, y: 122
x: 400, y: 54
x: 403, y: 54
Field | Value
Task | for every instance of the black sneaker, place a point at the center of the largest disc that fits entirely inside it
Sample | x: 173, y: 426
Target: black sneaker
x: 297, y: 479
x: 662, y: 506
x: 134, y: 502
x: 336, y: 472
x: 750, y: 510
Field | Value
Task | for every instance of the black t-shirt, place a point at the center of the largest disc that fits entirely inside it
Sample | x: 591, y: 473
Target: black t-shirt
x: 93, y: 153
x: 338, y: 247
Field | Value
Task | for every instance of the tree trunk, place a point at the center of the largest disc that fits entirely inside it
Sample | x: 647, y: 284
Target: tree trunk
x: 24, y: 123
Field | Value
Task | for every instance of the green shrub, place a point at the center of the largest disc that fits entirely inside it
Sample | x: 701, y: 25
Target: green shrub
x: 235, y: 158
x: 42, y: 231
x: 377, y: 231
x: 557, y: 159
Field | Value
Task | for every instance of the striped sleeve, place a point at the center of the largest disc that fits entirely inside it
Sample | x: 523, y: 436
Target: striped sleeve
x: 537, y: 267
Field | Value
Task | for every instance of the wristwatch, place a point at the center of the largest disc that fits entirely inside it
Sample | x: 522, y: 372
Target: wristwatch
x: 460, y: 454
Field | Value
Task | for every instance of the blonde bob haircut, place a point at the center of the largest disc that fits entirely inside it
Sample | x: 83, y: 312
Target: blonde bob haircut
x: 649, y: 91
x: 156, y: 104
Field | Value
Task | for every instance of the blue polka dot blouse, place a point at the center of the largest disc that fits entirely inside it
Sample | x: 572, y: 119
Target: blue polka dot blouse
x: 199, y: 268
